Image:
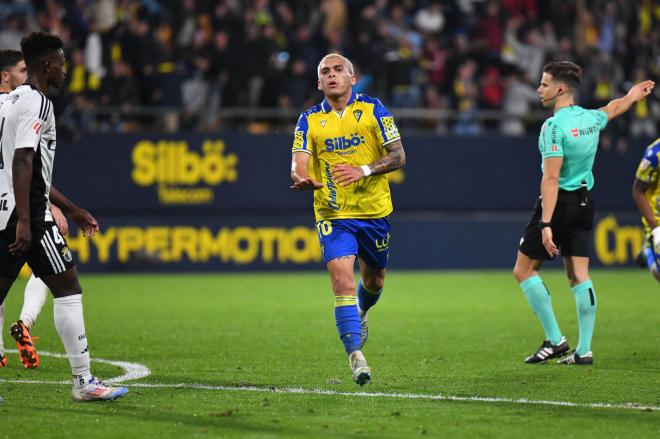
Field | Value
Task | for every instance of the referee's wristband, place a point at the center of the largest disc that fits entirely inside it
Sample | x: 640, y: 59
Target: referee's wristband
x: 544, y: 225
x: 366, y: 170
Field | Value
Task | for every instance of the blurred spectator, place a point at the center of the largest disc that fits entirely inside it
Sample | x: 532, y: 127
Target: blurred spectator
x: 490, y: 89
x: 491, y: 30
x: 206, y: 55
x: 13, y: 29
x: 519, y: 98
x: 643, y: 123
x: 465, y: 98
x: 430, y: 19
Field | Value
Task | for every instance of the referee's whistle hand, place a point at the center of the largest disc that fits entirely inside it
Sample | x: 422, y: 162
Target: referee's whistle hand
x: 548, y: 243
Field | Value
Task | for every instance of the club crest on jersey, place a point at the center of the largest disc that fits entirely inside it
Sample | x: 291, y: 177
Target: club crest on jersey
x: 36, y: 127
x: 66, y: 254
x: 357, y: 114
x: 323, y: 122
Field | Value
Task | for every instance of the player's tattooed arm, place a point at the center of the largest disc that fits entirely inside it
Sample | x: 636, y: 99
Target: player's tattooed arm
x: 395, y: 159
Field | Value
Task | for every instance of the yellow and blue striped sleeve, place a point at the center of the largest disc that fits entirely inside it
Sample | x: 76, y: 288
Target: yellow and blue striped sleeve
x: 301, y: 136
x: 646, y: 171
x: 387, y: 129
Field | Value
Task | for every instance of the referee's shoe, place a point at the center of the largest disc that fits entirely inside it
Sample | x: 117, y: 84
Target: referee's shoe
x: 574, y: 358
x: 548, y: 351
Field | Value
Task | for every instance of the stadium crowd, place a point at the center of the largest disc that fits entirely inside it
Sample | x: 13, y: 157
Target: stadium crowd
x: 191, y: 59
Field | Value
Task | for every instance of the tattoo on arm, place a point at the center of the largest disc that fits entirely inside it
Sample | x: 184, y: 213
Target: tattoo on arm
x: 395, y: 159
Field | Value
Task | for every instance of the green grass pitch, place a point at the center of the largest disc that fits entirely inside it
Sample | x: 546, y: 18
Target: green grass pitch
x: 459, y: 334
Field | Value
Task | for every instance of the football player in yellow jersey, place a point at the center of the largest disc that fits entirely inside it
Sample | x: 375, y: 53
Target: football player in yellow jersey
x: 342, y: 149
x: 646, y: 193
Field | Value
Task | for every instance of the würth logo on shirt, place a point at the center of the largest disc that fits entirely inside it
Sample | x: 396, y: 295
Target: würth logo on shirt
x: 575, y: 132
x: 554, y: 148
x: 36, y: 127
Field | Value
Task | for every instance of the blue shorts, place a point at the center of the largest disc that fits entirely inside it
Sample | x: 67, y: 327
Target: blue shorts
x: 368, y: 239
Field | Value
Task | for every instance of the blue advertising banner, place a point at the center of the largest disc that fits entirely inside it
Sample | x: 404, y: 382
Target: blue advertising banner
x: 433, y: 241
x: 215, y: 202
x: 226, y: 172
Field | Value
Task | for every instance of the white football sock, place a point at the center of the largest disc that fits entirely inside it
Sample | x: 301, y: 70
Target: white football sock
x: 2, y: 328
x: 68, y: 313
x: 35, y: 297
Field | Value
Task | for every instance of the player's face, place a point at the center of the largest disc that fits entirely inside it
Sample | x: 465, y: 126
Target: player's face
x: 17, y: 74
x: 335, y: 80
x: 56, y: 69
x: 548, y: 90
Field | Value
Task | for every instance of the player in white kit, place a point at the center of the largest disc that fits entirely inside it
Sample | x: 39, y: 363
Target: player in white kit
x: 13, y: 73
x: 27, y: 230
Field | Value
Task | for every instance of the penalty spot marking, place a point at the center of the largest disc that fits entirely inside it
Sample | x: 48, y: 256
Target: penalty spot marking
x: 134, y: 371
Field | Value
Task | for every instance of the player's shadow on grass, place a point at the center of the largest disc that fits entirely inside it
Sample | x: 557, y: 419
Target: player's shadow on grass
x: 232, y: 420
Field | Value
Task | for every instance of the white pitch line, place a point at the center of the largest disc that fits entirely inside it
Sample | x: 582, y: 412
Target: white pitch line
x: 134, y: 371
x: 297, y: 390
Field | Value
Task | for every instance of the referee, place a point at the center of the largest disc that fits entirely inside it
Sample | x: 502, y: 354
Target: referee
x: 563, y: 216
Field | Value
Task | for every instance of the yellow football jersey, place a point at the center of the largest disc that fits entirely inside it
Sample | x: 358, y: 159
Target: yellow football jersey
x: 356, y: 137
x: 647, y: 171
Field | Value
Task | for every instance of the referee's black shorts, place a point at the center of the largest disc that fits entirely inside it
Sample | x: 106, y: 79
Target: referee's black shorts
x: 48, y: 253
x: 572, y: 222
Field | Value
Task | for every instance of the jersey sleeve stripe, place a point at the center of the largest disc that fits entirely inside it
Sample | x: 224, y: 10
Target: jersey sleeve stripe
x: 391, y: 141
x: 41, y: 109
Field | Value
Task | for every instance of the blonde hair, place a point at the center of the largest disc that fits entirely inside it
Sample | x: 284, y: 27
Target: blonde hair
x: 346, y: 61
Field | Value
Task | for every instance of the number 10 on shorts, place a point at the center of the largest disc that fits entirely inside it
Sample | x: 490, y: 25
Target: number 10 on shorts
x: 324, y: 227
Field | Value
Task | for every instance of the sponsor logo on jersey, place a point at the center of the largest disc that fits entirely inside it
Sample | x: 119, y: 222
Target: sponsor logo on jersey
x: 391, y: 131
x: 298, y: 140
x: 585, y: 131
x: 36, y: 127
x: 343, y: 143
x: 332, y: 188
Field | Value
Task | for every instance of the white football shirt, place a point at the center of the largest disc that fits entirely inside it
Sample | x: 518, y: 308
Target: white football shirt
x: 27, y: 120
